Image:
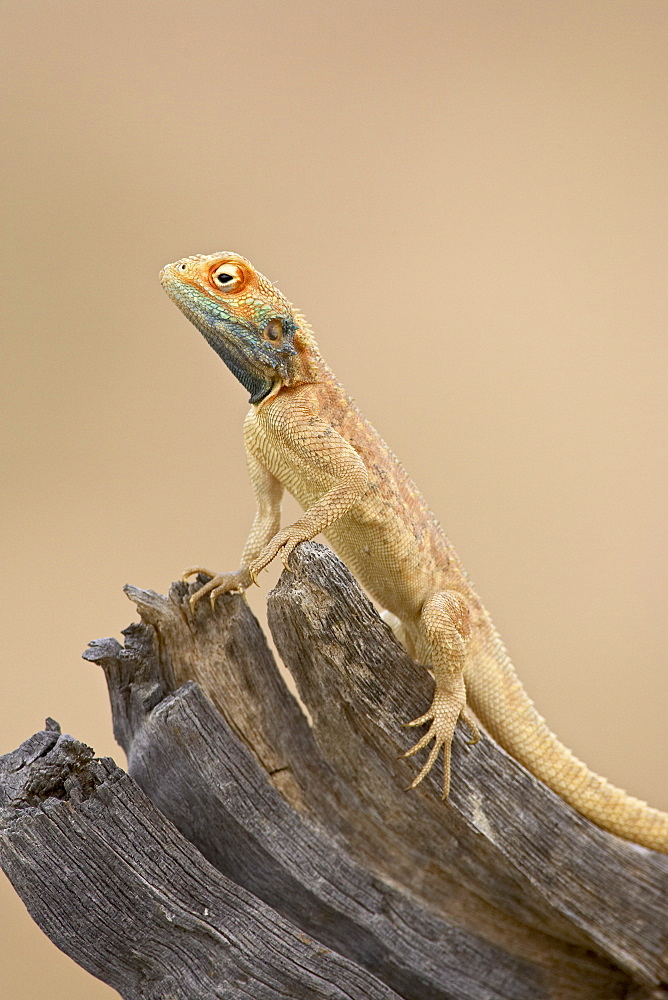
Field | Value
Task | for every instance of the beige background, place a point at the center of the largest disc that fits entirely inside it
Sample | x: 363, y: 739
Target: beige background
x: 467, y: 199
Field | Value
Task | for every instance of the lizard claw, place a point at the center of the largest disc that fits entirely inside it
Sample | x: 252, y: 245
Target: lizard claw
x: 442, y: 740
x: 286, y: 552
x: 421, y: 721
x: 213, y: 594
x: 282, y: 542
x: 194, y: 571
x: 220, y: 583
x: 443, y: 714
x: 472, y: 727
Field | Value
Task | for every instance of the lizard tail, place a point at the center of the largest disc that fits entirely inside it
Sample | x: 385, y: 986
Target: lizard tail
x: 498, y: 698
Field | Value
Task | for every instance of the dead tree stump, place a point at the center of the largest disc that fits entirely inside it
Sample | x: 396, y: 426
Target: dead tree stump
x: 250, y: 853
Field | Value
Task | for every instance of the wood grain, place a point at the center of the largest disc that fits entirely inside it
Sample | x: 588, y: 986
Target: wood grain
x: 248, y: 853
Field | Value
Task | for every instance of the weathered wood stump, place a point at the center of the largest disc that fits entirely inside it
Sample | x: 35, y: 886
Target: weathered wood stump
x: 248, y: 853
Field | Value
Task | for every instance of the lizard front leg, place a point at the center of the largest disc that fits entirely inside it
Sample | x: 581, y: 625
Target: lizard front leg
x: 325, y: 460
x: 445, y: 621
x: 268, y: 494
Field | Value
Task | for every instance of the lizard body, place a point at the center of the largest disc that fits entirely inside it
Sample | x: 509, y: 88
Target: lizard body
x: 304, y: 434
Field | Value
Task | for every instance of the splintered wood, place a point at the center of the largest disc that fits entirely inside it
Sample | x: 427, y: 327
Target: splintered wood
x: 246, y: 853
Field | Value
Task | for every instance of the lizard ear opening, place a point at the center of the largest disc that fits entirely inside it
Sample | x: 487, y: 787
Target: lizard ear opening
x: 273, y: 331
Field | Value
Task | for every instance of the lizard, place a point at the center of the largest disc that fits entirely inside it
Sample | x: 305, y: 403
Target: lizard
x: 305, y: 435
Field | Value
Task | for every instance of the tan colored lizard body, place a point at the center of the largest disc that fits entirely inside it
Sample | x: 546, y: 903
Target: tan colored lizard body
x: 304, y: 434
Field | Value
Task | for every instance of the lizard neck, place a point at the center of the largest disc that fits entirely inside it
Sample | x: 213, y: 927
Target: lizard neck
x: 309, y: 365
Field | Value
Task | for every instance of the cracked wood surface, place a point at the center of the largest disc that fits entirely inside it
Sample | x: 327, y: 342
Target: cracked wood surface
x: 117, y: 887
x: 503, y: 892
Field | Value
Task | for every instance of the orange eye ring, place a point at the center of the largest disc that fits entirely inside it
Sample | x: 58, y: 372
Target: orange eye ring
x: 227, y: 277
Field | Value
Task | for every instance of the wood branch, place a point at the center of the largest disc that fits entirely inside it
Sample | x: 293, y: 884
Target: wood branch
x: 611, y: 890
x: 117, y: 887
x: 503, y: 892
x: 255, y: 837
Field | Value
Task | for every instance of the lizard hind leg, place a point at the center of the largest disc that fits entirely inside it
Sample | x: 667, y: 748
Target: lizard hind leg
x: 445, y: 621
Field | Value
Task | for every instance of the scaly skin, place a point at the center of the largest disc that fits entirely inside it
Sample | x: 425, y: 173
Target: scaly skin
x: 304, y: 434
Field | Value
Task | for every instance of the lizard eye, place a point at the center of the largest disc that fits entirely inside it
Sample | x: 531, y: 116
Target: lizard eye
x: 228, y: 277
x: 273, y: 331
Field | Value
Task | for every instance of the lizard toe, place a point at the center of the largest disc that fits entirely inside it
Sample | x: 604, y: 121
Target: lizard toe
x: 193, y: 571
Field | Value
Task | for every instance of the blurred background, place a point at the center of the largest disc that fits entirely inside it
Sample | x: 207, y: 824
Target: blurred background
x: 467, y: 198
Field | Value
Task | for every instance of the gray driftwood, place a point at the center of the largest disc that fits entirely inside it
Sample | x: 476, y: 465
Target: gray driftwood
x: 285, y: 859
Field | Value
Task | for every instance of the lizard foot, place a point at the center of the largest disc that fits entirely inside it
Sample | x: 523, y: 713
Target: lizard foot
x: 283, y: 542
x: 220, y: 583
x: 445, y: 710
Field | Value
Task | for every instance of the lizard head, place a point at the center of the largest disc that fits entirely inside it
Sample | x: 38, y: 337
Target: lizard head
x: 244, y: 317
